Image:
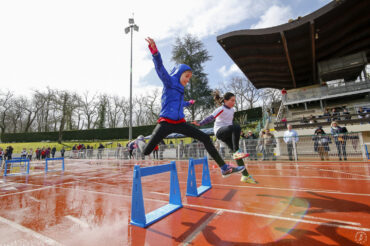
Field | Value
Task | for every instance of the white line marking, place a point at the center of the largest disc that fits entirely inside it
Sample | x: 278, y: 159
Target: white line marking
x: 236, y: 211
x: 305, y: 177
x: 21, y: 228
x: 199, y: 229
x: 78, y: 221
x: 282, y: 218
x: 34, y: 199
x: 292, y: 189
x: 159, y: 193
x: 337, y: 171
x: 319, y: 218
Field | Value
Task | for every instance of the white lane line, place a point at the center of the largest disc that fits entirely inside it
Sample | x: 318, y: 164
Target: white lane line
x: 34, y: 199
x: 305, y: 177
x: 292, y: 189
x: 337, y: 171
x: 325, y: 219
x: 34, y: 234
x: 160, y: 193
x: 282, y: 218
x: 78, y: 221
x: 237, y: 212
x: 188, y: 240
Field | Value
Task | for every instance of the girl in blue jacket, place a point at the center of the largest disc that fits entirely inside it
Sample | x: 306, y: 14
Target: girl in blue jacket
x: 171, y: 118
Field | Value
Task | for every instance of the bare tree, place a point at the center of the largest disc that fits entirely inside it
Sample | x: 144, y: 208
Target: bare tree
x: 153, y: 107
x: 114, y: 111
x: 5, y: 106
x: 32, y: 108
x: 89, y: 108
x: 270, y: 96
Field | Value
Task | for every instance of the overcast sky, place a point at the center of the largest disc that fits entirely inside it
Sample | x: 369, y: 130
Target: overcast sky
x: 80, y: 45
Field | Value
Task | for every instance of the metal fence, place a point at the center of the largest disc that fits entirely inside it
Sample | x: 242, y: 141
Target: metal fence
x: 328, y: 147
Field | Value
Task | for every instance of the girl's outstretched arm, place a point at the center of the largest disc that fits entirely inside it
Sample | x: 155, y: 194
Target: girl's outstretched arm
x: 161, y: 71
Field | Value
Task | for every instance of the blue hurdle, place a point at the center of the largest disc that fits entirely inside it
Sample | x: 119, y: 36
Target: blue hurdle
x: 192, y: 189
x: 53, y: 159
x: 138, y: 216
x: 18, y: 160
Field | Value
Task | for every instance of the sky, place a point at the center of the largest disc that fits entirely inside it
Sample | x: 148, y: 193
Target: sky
x: 81, y: 45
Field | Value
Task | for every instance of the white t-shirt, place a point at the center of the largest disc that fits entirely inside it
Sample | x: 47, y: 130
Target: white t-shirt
x: 224, y: 117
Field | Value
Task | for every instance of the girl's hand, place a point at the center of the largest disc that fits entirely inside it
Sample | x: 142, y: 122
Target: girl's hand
x: 195, y: 123
x: 152, y: 47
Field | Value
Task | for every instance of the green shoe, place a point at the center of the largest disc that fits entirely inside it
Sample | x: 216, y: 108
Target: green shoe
x: 248, y: 179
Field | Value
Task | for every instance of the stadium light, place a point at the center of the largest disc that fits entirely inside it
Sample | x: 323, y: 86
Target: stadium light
x: 131, y: 28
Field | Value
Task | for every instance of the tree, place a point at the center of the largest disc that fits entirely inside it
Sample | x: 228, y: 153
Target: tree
x: 102, y: 111
x: 89, y: 108
x: 191, y: 51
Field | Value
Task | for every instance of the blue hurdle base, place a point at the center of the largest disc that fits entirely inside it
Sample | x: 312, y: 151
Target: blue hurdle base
x: 157, y: 214
x: 192, y: 189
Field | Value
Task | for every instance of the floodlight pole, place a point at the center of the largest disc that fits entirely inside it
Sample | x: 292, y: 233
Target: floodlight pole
x: 131, y: 29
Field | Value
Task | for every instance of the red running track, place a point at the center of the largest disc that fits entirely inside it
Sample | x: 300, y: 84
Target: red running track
x: 305, y: 203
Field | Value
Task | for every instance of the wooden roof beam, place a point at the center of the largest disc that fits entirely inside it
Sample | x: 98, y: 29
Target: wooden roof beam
x: 313, y: 49
x: 288, y: 58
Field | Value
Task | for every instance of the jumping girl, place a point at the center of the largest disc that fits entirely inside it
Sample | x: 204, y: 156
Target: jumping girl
x: 171, y: 118
x: 226, y: 131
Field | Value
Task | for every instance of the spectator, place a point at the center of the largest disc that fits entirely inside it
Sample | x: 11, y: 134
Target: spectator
x: 251, y: 143
x: 181, y: 148
x: 62, y: 151
x: 9, y: 152
x: 100, y: 151
x: 172, y: 145
x: 140, y: 146
x: 1, y: 157
x: 162, y: 147
x: 291, y: 139
x: 284, y: 95
x: 24, y: 153
x: 304, y: 120
x: 284, y: 121
x: 260, y: 147
x: 361, y: 113
x: 312, y: 119
x: 327, y: 114
x: 346, y: 114
x: 340, y: 138
x: 155, y: 152
x: 269, y: 143
x: 130, y: 146
x: 335, y: 114
x: 48, y: 150
x: 53, y: 150
x: 38, y: 153
x: 321, y: 143
x: 43, y: 153
x: 30, y: 153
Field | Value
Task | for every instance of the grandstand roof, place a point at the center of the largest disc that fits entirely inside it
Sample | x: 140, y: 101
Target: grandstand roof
x: 286, y: 56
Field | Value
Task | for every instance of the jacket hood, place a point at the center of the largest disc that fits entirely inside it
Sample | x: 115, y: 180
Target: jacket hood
x: 178, y: 70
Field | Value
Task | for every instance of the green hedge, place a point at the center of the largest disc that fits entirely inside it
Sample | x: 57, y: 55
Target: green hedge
x: 94, y: 134
x: 108, y: 133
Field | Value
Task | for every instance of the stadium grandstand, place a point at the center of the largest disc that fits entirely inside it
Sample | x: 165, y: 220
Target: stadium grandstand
x: 319, y: 64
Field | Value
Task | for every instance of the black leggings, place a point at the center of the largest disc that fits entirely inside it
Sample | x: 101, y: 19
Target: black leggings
x: 231, y: 135
x: 163, y: 129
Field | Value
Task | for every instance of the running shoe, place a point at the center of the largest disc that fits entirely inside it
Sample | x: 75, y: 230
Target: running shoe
x: 248, y: 179
x: 239, y: 155
x: 230, y: 170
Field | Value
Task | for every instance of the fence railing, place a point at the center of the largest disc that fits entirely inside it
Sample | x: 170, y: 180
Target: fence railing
x: 327, y: 91
x: 327, y: 147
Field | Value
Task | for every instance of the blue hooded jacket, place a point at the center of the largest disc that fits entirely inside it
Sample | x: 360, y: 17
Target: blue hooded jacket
x: 173, y: 91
